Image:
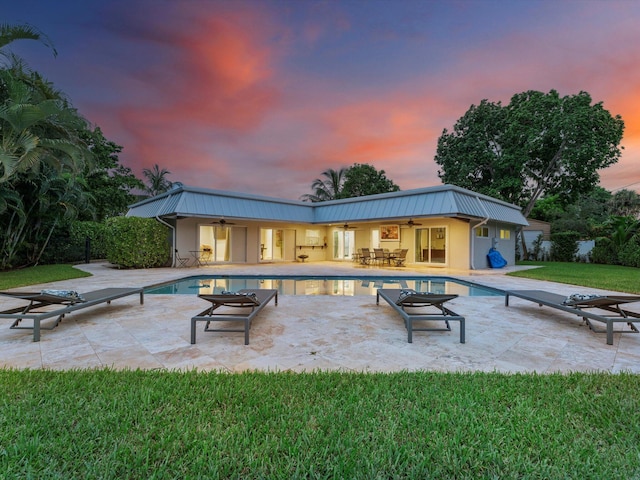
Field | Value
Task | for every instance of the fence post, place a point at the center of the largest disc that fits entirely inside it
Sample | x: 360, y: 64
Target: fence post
x: 87, y: 250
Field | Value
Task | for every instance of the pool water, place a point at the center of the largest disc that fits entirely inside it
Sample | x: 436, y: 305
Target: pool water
x: 315, y: 285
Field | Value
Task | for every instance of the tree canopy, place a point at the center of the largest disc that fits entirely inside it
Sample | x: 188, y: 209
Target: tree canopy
x: 157, y: 181
x: 327, y: 188
x: 355, y: 181
x: 54, y: 168
x: 539, y: 144
x: 362, y: 179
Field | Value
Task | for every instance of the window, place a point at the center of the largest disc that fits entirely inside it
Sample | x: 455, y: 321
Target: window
x: 312, y: 237
x: 482, y: 232
x: 505, y: 234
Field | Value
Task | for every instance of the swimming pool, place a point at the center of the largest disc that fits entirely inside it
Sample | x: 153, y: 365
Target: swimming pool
x: 319, y: 285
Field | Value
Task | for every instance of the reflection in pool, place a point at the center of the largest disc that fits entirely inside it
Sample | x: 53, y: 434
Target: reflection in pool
x: 314, y: 285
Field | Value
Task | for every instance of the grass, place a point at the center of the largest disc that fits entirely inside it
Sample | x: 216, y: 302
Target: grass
x: 39, y: 274
x: 605, y: 277
x: 165, y: 425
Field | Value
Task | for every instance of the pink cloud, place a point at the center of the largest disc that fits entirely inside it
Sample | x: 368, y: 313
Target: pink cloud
x: 214, y: 84
x: 223, y: 101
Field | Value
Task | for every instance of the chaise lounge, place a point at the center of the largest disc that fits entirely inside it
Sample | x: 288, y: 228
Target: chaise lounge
x: 578, y: 305
x: 402, y: 299
x: 255, y: 300
x: 68, y: 301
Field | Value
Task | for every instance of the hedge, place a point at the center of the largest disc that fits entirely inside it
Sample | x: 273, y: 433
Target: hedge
x: 138, y: 243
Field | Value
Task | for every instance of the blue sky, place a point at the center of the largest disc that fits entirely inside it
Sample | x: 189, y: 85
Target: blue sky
x: 262, y: 96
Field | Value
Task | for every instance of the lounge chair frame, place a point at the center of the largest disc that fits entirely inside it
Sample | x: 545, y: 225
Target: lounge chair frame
x: 211, y: 314
x: 38, y: 301
x: 608, y: 303
x: 422, y: 300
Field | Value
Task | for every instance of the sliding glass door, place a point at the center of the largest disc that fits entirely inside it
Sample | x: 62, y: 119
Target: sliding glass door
x: 215, y: 245
x: 431, y: 245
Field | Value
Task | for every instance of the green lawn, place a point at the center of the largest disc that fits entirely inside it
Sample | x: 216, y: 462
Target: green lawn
x: 39, y: 274
x: 606, y: 277
x: 186, y: 425
x: 166, y: 425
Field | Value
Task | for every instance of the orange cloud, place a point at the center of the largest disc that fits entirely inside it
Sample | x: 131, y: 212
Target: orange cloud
x: 215, y: 84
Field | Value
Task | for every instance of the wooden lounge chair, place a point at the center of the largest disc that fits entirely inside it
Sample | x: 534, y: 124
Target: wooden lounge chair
x: 400, y: 300
x: 251, y: 301
x: 43, y: 306
x: 580, y: 307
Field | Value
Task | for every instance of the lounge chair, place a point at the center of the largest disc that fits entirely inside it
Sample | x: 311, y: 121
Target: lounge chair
x: 579, y: 304
x: 252, y: 300
x: 67, y: 303
x: 400, y: 300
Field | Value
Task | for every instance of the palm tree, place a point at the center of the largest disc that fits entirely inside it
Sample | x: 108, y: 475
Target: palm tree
x: 38, y: 126
x: 41, y: 151
x: 327, y: 189
x: 11, y: 33
x: 157, y: 183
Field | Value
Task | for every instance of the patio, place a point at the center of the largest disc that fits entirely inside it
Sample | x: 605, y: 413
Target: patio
x: 316, y: 332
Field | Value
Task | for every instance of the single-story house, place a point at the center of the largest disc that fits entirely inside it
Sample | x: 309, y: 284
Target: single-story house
x: 444, y: 226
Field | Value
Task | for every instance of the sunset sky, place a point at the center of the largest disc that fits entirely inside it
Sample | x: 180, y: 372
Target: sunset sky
x: 263, y: 96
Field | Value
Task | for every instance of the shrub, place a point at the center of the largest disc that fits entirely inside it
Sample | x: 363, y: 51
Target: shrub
x: 605, y: 252
x: 629, y: 254
x: 68, y: 243
x: 564, y: 246
x: 137, y: 242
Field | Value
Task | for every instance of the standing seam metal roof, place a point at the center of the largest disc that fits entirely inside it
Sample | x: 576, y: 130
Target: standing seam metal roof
x: 445, y: 200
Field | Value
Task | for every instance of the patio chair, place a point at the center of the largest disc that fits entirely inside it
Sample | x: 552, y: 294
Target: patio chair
x: 222, y: 305
x: 580, y: 304
x: 43, y: 305
x: 400, y: 300
x: 206, y: 253
x: 400, y: 257
x: 365, y: 256
x: 182, y: 261
x: 378, y: 256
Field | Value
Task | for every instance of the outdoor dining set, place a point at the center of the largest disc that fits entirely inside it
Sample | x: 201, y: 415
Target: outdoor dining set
x: 381, y: 256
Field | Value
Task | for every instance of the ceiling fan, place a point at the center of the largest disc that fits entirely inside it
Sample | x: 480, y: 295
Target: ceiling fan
x: 222, y: 222
x: 411, y: 223
x: 346, y: 226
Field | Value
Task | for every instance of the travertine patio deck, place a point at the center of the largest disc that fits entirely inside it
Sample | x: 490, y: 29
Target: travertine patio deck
x: 306, y: 333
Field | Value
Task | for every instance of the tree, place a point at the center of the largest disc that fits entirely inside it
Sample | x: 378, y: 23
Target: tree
x: 109, y: 182
x: 11, y: 33
x: 42, y: 155
x: 157, y: 182
x: 625, y: 203
x: 363, y: 179
x: 38, y: 126
x: 539, y: 144
x: 328, y: 188
x: 584, y: 216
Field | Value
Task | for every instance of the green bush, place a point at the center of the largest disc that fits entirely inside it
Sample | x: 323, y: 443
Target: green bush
x: 97, y: 234
x: 564, y: 246
x: 604, y: 252
x: 629, y: 254
x: 137, y: 242
x: 68, y: 243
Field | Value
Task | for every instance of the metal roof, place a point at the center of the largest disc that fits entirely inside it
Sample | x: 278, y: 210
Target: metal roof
x: 440, y: 201
x: 195, y: 202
